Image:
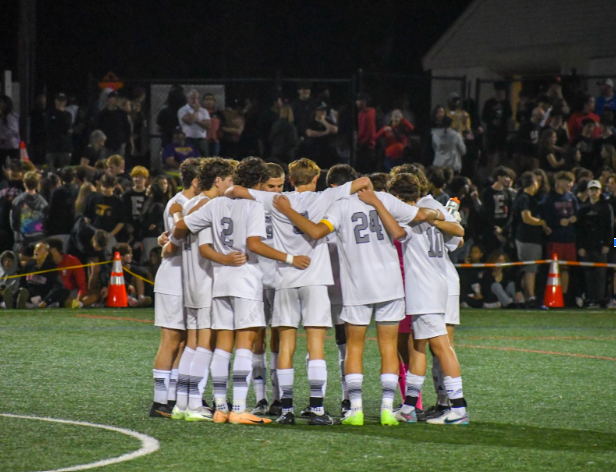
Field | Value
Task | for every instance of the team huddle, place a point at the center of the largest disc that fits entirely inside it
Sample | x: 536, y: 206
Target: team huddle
x: 239, y: 255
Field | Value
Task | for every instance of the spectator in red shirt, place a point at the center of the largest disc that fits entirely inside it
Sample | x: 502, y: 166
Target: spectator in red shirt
x: 395, y: 139
x: 586, y: 110
x: 73, y: 279
x: 366, y: 133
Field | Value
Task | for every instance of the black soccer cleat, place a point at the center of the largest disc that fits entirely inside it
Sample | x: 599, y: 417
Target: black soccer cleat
x: 433, y: 412
x: 286, y: 419
x: 275, y: 408
x: 160, y: 410
x: 321, y: 420
x: 305, y: 413
x: 345, y: 406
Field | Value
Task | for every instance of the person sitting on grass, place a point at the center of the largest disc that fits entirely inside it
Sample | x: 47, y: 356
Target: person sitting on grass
x: 500, y: 284
x: 135, y: 287
x: 74, y: 279
x: 8, y: 287
x: 98, y: 275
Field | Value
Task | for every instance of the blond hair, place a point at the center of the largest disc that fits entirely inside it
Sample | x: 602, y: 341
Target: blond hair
x: 302, y: 171
x: 115, y: 160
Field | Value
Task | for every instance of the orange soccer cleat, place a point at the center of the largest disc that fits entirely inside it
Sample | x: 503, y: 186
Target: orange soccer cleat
x: 246, y: 418
x: 220, y: 417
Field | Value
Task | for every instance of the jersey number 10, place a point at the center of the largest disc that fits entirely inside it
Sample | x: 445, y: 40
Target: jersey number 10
x: 436, y: 242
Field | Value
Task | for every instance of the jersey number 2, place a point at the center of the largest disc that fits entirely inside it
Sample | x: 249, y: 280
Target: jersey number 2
x: 227, y: 231
x: 363, y: 222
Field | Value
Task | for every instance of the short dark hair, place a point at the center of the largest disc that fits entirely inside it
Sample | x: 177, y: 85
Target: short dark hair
x: 101, y: 238
x: 447, y: 173
x: 379, y: 181
x: 55, y: 243
x: 27, y: 250
x: 67, y: 175
x: 502, y: 171
x: 588, y: 121
x: 209, y: 94
x: 108, y: 181
x: 123, y: 249
x: 435, y: 176
x: 275, y: 170
x: 211, y: 168
x: 188, y: 171
x: 405, y: 186
x: 340, y: 174
x: 304, y: 85
x: 527, y: 179
x: 250, y: 172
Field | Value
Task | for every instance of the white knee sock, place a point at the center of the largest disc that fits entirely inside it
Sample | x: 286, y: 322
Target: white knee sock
x: 389, y: 382
x: 317, y: 378
x: 456, y: 395
x: 242, y: 372
x: 439, y: 385
x: 161, y: 385
x: 259, y: 374
x: 184, y: 378
x: 199, y: 370
x: 286, y: 377
x: 414, y: 383
x: 341, y: 358
x: 355, y: 383
x: 220, y: 378
x: 274, y: 376
x: 173, y: 383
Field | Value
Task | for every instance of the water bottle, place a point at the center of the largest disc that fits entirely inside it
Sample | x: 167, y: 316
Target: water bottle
x: 453, y: 205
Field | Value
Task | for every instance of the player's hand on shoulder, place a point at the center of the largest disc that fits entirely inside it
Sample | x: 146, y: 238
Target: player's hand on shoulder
x: 235, y: 259
x: 368, y: 197
x: 282, y: 204
x: 301, y: 262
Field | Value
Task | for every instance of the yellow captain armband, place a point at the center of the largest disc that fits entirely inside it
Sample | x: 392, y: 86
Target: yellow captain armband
x: 329, y: 225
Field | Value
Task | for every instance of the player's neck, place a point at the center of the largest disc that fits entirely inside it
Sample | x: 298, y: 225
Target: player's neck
x: 189, y: 193
x: 305, y: 188
x: 211, y: 194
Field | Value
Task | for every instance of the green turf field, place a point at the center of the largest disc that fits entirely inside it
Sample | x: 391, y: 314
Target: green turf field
x: 540, y: 388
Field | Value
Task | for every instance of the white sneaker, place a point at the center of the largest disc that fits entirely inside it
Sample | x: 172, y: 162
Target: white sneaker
x: 611, y: 304
x: 492, y: 305
x: 449, y: 417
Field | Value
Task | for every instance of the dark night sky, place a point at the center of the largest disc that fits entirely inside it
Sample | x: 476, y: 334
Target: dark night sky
x: 230, y: 38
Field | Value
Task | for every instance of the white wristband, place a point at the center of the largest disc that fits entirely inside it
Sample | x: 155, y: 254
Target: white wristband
x: 289, y: 259
x: 175, y: 241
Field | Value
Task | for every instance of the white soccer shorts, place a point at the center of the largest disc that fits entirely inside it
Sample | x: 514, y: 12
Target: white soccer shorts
x: 452, y: 310
x: 391, y: 311
x: 310, y: 305
x: 429, y: 326
x: 199, y: 318
x: 232, y: 313
x: 169, y: 311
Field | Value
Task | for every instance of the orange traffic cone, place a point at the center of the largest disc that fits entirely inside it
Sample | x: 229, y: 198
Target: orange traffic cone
x: 553, y: 290
x: 117, y: 290
x: 23, y: 151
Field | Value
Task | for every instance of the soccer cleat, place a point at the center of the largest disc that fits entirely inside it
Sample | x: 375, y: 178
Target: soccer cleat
x: 220, y: 417
x: 405, y: 417
x: 306, y: 412
x: 345, y: 406
x: 449, y: 417
x: 202, y: 414
x: 388, y: 418
x: 246, y: 418
x: 353, y: 419
x: 160, y: 410
x: 288, y: 418
x: 321, y: 420
x: 261, y: 408
x: 275, y: 408
x: 432, y: 412
x: 178, y: 414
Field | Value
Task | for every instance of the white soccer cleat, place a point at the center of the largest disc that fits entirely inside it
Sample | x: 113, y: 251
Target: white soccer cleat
x: 450, y: 417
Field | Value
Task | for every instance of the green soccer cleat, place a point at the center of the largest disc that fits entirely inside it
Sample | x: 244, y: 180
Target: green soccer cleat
x: 354, y: 419
x: 388, y: 418
x: 202, y: 414
x: 177, y: 414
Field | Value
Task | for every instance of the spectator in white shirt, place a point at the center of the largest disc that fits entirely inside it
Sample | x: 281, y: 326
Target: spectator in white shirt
x: 195, y: 121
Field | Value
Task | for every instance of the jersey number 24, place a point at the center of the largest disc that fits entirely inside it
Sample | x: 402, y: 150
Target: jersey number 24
x: 363, y: 222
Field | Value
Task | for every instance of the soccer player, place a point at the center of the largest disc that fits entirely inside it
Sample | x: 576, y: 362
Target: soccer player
x: 302, y: 295
x: 214, y: 177
x: 426, y: 299
x: 237, y: 306
x: 169, y: 307
x: 275, y: 184
x: 363, y: 245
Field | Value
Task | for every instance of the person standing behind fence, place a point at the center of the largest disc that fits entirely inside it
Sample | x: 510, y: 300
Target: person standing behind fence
x: 496, y: 210
x: 366, y: 133
x: 61, y: 211
x: 607, y: 100
x: 216, y: 121
x: 9, y: 129
x: 283, y: 137
x: 27, y: 212
x: 167, y: 119
x: 113, y: 121
x: 596, y: 231
x: 303, y: 107
x: 496, y: 114
x: 448, y: 146
x: 396, y: 139
x: 195, y: 121
x: 585, y: 110
x: 58, y: 125
x: 529, y: 229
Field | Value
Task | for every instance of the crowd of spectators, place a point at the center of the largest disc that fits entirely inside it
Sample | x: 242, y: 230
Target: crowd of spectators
x: 533, y: 181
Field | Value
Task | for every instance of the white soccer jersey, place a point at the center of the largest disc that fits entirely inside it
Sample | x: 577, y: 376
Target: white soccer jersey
x: 369, y: 263
x: 425, y: 266
x: 334, y: 291
x: 289, y: 239
x: 197, y: 271
x: 232, y: 221
x: 451, y: 243
x: 169, y: 276
x: 269, y: 267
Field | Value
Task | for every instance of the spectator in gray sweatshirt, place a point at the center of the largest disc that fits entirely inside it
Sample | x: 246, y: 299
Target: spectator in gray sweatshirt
x: 448, y: 146
x: 27, y: 212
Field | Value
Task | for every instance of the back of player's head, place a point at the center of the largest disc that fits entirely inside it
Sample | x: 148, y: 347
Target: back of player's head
x: 302, y: 171
x: 340, y: 174
x: 417, y: 172
x: 275, y: 171
x: 250, y: 172
x: 379, y: 181
x: 55, y: 243
x: 405, y: 186
x: 188, y: 171
x: 67, y: 175
x: 101, y: 238
x: 435, y: 176
x: 211, y: 168
x: 32, y: 180
x: 116, y: 160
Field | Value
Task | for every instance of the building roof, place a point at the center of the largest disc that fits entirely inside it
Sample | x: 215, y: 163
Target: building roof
x: 500, y: 34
